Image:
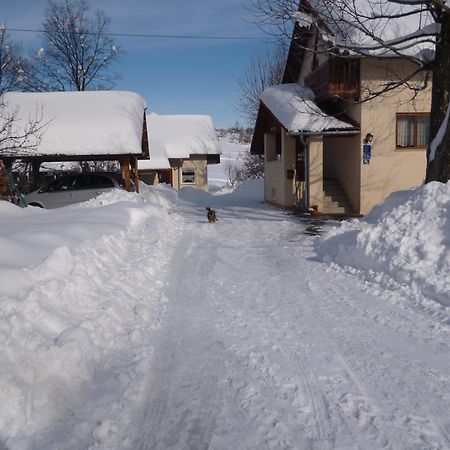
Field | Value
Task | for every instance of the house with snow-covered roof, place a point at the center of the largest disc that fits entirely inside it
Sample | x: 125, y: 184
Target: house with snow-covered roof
x: 74, y: 126
x: 181, y: 148
x: 342, y: 131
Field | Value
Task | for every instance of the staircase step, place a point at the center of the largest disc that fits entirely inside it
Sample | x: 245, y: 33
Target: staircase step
x: 335, y: 200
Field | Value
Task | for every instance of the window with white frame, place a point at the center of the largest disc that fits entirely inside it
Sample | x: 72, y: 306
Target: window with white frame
x: 188, y: 176
x: 413, y: 130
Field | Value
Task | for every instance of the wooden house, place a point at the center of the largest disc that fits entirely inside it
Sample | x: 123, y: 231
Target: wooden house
x: 181, y: 148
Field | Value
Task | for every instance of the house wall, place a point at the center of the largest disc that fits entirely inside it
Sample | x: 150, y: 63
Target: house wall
x: 273, y: 172
x: 342, y: 161
x: 315, y: 161
x: 149, y: 177
x: 280, y: 189
x: 390, y: 169
x: 198, y: 163
x: 289, y: 166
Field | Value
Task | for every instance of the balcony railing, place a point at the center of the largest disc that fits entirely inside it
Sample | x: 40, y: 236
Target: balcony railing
x: 335, y: 78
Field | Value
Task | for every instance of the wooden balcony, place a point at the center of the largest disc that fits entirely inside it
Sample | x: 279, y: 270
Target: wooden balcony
x: 338, y: 77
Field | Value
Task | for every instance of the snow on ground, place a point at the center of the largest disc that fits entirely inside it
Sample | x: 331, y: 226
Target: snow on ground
x: 232, y: 153
x: 135, y: 324
x: 403, y: 244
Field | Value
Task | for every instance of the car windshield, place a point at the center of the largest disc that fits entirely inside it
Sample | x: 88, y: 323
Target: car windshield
x: 79, y: 181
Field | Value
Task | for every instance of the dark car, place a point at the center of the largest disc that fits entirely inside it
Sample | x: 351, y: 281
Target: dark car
x: 73, y: 188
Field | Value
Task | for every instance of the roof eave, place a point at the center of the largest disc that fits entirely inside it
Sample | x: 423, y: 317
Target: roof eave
x: 345, y: 132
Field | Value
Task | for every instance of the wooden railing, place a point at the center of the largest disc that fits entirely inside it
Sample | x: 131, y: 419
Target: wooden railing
x: 336, y: 77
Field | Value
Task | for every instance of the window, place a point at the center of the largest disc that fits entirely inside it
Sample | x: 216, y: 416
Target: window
x: 188, y: 176
x: 413, y: 130
x: 61, y: 184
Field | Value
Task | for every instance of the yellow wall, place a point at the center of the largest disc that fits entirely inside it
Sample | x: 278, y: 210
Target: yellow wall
x: 273, y: 176
x: 315, y: 159
x: 342, y: 161
x: 278, y: 188
x: 197, y: 163
x: 390, y: 169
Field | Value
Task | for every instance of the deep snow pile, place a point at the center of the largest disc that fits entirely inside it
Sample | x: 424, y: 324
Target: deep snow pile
x: 404, y: 243
x: 76, y: 307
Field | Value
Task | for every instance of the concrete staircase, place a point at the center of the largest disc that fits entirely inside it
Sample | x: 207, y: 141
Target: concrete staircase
x: 335, y: 201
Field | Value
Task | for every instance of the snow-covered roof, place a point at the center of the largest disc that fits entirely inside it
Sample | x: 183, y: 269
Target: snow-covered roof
x: 78, y: 123
x: 359, y: 26
x: 178, y: 136
x: 293, y: 105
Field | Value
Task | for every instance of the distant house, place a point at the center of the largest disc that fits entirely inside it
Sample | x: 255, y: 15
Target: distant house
x: 323, y: 145
x: 181, y: 147
x: 74, y: 126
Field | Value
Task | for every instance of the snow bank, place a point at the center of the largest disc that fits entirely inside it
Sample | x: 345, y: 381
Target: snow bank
x: 248, y: 193
x: 404, y: 243
x: 79, y: 291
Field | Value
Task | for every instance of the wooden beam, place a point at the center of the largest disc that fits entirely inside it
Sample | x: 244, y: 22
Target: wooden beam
x: 35, y: 179
x: 125, y: 167
x: 5, y: 193
x: 135, y: 172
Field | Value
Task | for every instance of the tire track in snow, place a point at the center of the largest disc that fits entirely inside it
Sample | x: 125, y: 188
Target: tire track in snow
x: 409, y: 424
x: 182, y: 398
x: 319, y: 425
x: 300, y: 393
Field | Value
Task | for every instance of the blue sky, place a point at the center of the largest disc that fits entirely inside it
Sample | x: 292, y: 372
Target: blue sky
x: 174, y: 76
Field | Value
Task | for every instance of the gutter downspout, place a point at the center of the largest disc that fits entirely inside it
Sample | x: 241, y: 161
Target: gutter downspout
x: 306, y: 147
x: 324, y: 133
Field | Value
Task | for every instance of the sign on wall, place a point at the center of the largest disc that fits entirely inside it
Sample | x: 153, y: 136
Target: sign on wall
x: 367, y: 153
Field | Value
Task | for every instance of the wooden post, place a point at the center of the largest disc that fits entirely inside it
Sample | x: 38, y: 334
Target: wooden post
x: 125, y: 167
x: 35, y: 179
x: 135, y: 172
x: 5, y: 193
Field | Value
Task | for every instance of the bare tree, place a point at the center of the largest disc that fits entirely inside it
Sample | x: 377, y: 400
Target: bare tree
x: 12, y: 65
x: 274, y: 17
x: 253, y: 167
x: 12, y: 74
x: 16, y: 136
x: 264, y: 70
x: 245, y: 167
x: 77, y: 53
x: 415, y: 29
x: 234, y: 172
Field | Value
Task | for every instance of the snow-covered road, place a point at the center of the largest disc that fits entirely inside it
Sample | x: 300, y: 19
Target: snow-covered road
x: 131, y: 323
x: 262, y: 347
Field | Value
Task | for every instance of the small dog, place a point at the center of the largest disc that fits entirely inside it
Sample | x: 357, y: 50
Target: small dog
x: 211, y: 214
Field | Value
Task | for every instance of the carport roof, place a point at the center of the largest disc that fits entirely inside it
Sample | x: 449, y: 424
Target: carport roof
x: 74, y: 124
